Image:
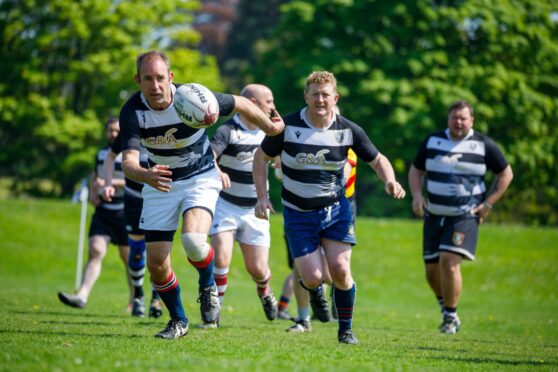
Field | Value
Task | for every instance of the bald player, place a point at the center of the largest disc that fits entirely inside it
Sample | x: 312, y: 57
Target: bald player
x: 234, y: 145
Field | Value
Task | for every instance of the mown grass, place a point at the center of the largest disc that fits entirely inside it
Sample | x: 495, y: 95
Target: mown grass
x: 508, y: 308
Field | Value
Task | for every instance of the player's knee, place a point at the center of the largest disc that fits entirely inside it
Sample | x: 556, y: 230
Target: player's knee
x: 157, y: 268
x: 342, y: 277
x: 257, y: 270
x: 97, y: 252
x: 311, y: 281
x: 195, y: 245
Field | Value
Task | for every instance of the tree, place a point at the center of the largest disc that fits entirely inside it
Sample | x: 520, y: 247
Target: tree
x: 254, y: 25
x: 401, y: 64
x: 67, y: 66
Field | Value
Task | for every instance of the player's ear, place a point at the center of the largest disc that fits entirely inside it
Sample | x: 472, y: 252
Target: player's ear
x: 171, y: 76
x: 137, y: 79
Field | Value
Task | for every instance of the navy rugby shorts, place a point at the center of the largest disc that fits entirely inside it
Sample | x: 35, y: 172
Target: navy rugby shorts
x: 304, y: 230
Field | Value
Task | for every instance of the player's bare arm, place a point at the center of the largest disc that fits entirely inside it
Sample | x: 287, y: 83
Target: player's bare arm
x: 259, y: 172
x: 271, y: 126
x: 416, y: 184
x: 225, y: 179
x: 108, y: 168
x: 501, y: 183
x: 157, y: 176
x: 384, y: 170
x: 94, y: 198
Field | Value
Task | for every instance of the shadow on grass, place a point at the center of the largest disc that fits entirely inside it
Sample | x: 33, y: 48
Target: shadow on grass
x: 76, y: 313
x: 499, y: 361
x: 491, y: 342
x: 69, y: 334
x: 76, y: 322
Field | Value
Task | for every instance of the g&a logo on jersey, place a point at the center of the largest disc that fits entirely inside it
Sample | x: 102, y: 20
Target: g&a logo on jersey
x: 167, y: 138
x: 458, y: 238
x: 318, y: 158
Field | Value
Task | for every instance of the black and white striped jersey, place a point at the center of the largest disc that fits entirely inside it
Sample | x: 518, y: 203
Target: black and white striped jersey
x: 312, y: 159
x: 132, y: 188
x: 117, y: 202
x: 455, y: 170
x: 167, y: 140
x: 235, y: 145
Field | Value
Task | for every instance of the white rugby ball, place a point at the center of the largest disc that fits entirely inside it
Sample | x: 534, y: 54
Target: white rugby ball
x: 196, y: 105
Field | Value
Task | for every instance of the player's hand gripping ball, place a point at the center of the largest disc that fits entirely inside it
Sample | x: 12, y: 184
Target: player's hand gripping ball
x: 196, y: 105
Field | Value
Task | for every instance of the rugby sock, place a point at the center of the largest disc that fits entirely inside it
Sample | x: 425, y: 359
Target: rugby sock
x: 440, y: 302
x: 169, y: 291
x: 220, y: 276
x: 263, y: 284
x: 283, y: 302
x: 136, y: 265
x: 345, y: 302
x: 205, y: 269
x: 450, y: 311
x: 304, y: 313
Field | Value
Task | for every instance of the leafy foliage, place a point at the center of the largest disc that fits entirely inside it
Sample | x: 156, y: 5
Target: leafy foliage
x: 401, y: 64
x: 68, y: 65
x: 253, y: 27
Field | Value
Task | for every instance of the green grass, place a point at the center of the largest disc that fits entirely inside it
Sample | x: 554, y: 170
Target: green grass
x: 508, y: 309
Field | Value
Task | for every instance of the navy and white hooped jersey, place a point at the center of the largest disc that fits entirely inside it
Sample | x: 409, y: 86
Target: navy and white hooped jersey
x: 117, y: 202
x: 313, y: 159
x: 235, y: 145
x: 455, y: 170
x: 132, y: 188
x: 167, y: 140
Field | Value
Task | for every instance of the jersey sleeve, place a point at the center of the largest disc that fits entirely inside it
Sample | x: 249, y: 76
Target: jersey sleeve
x: 129, y: 129
x: 220, y: 140
x: 273, y: 145
x: 495, y: 160
x: 226, y: 103
x: 116, y: 145
x: 362, y: 146
x: 420, y: 158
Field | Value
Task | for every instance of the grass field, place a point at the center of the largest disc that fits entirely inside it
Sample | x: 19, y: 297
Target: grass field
x: 508, y: 309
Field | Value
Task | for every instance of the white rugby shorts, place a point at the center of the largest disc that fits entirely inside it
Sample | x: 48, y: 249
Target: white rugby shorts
x: 243, y: 221
x: 161, y: 210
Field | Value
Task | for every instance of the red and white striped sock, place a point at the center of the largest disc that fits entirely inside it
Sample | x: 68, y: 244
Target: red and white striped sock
x: 220, y: 276
x: 263, y: 284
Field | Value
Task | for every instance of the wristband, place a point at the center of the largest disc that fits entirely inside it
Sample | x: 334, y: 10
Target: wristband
x: 487, y: 205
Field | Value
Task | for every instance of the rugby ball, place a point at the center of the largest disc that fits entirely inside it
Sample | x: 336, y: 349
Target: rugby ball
x: 196, y: 105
